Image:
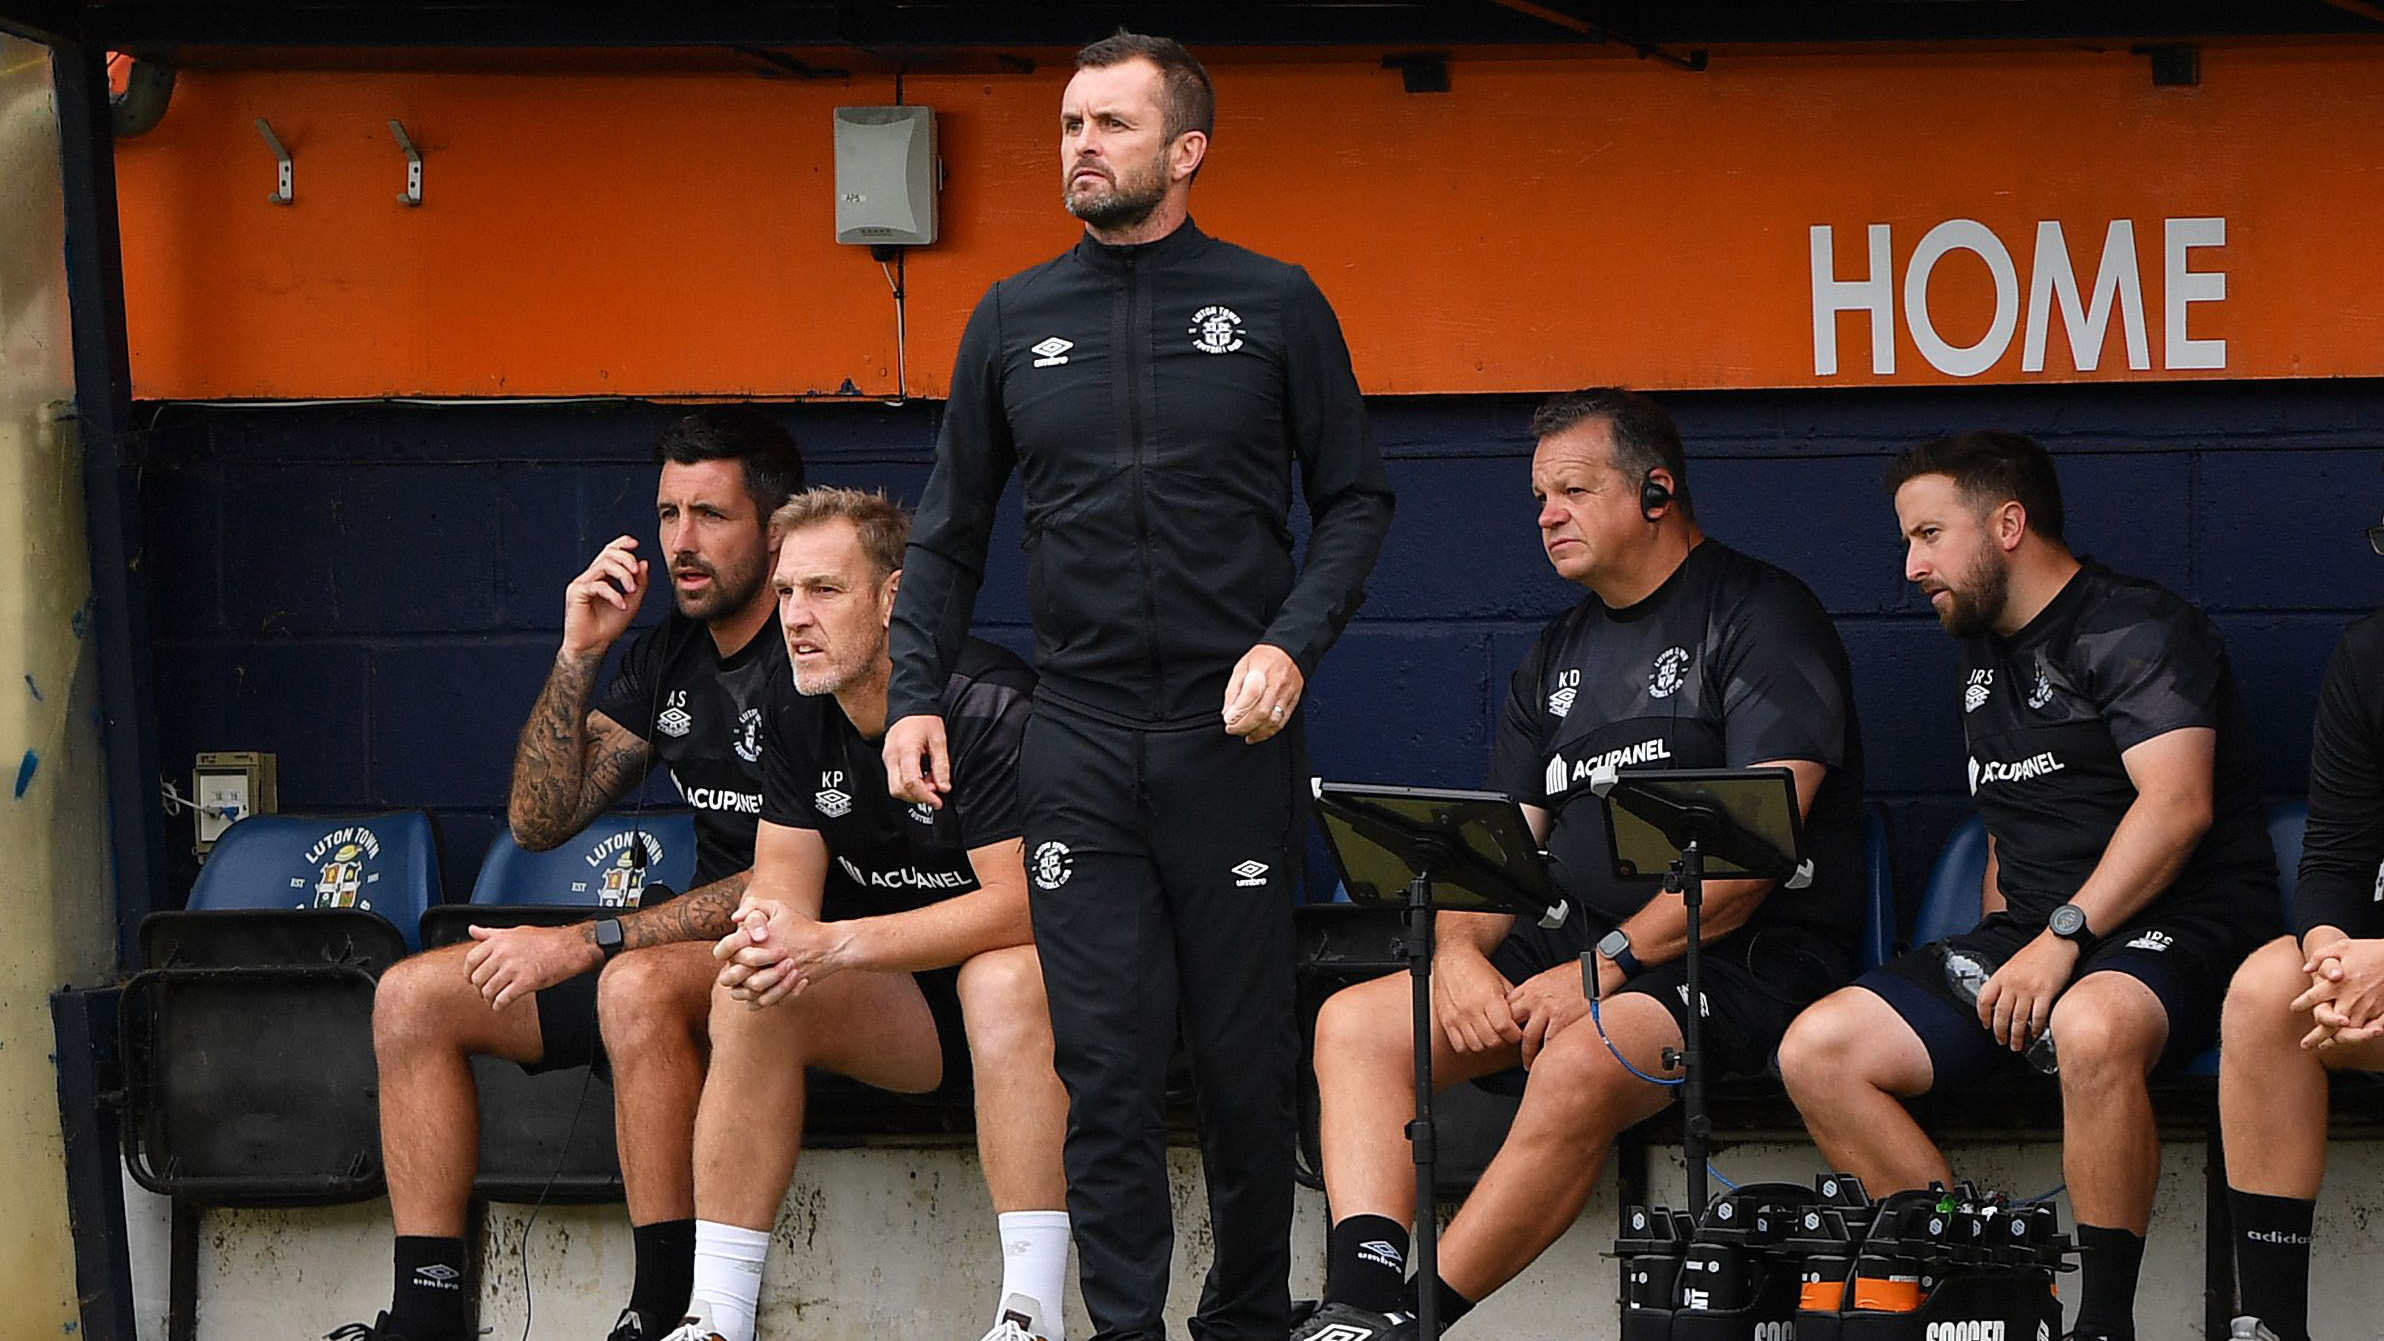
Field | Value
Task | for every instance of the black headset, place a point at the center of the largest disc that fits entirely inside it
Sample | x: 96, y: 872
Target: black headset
x: 1653, y: 495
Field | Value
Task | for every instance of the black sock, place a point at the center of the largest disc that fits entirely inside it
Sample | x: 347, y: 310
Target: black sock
x: 1450, y: 1305
x: 430, y: 1302
x: 2272, y: 1257
x: 2109, y: 1260
x: 665, y: 1271
x: 1366, y: 1264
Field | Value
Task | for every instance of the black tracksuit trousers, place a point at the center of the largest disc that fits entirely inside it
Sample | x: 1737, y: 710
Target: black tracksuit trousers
x: 1160, y: 867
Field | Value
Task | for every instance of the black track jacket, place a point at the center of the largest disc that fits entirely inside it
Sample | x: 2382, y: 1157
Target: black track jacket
x: 1153, y: 399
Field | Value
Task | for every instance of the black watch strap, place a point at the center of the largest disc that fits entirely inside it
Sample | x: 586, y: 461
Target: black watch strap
x: 608, y: 935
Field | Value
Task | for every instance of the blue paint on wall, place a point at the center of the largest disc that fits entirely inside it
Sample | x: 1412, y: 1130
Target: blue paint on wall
x: 373, y: 592
x: 25, y: 771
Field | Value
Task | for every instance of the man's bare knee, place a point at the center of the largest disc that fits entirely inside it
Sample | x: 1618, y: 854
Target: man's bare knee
x: 1821, y: 1043
x: 421, y: 1002
x: 1577, y: 1081
x: 1356, y: 1029
x: 1007, y: 1015
x: 2107, y: 1032
x: 1835, y: 1042
x: 653, y: 998
x: 2258, y: 1013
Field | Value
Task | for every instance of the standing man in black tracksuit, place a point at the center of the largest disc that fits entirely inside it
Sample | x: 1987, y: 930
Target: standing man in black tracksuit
x: 1155, y: 388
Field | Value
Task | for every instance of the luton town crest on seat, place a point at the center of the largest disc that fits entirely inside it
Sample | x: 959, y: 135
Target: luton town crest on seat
x: 343, y: 867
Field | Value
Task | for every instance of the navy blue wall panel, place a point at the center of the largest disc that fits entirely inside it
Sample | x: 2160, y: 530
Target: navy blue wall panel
x: 374, y: 592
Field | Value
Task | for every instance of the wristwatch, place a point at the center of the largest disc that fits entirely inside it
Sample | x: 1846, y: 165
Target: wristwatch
x: 608, y: 936
x: 1616, y: 945
x: 2069, y: 923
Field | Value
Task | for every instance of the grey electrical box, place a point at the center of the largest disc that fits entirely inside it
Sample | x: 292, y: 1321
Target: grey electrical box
x: 886, y: 175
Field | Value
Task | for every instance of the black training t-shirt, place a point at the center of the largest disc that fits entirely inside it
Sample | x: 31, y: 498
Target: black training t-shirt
x: 2342, y: 854
x: 2111, y: 663
x: 701, y: 713
x: 825, y: 776
x: 1730, y: 662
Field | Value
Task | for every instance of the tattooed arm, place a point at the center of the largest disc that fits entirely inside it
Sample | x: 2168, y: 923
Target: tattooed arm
x: 508, y: 963
x: 705, y: 913
x: 571, y: 762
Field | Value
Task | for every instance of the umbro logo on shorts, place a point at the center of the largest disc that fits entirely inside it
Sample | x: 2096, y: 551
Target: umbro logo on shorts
x: 1250, y: 874
x: 1052, y: 352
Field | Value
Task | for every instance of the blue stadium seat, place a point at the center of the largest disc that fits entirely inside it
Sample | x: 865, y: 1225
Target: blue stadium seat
x: 1879, y: 892
x: 549, y: 1137
x: 1952, y: 901
x: 597, y: 867
x: 386, y: 864
x: 2286, y: 822
x: 247, y: 1036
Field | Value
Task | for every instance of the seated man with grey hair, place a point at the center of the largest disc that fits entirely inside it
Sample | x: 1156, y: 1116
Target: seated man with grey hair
x: 880, y: 940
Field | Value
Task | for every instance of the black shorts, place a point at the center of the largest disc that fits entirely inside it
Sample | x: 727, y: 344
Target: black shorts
x: 1756, y: 980
x: 2185, y: 964
x: 567, y: 1025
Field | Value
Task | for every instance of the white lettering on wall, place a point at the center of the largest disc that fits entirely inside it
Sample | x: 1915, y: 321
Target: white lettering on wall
x: 2115, y: 289
x: 1976, y: 238
x: 1874, y: 293
x: 2192, y: 286
x: 2053, y: 283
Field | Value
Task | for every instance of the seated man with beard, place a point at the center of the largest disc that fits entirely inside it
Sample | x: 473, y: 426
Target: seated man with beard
x: 2128, y: 871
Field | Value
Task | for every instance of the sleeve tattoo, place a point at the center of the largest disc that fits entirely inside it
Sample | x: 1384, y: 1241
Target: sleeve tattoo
x: 706, y: 913
x: 571, y: 763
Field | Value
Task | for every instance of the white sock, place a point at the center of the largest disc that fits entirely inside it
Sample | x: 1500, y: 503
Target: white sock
x: 728, y: 1275
x: 1035, y: 1264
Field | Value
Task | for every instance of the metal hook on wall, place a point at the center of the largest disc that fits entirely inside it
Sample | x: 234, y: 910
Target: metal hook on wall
x: 413, y: 194
x: 281, y: 194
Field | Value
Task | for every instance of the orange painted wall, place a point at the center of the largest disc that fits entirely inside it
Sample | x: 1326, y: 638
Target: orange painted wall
x: 1549, y: 222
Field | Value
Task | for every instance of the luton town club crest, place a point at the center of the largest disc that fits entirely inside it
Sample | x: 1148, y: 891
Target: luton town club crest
x: 342, y: 860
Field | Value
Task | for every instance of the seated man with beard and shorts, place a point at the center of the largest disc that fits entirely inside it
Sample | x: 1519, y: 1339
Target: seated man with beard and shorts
x: 2128, y: 868
x: 1683, y: 654
x: 533, y: 995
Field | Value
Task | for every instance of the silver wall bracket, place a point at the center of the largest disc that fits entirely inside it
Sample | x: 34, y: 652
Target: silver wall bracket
x: 281, y: 193
x: 413, y: 195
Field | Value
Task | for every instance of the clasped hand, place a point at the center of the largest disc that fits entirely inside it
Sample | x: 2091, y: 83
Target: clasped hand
x: 2346, y: 993
x: 776, y: 952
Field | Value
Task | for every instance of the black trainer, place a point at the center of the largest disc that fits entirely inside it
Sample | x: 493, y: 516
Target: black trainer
x: 632, y: 1326
x: 379, y: 1329
x: 1341, y: 1322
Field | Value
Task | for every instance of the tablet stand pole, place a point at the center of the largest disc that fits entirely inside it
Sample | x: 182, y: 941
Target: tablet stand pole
x: 1687, y: 879
x: 1421, y: 1134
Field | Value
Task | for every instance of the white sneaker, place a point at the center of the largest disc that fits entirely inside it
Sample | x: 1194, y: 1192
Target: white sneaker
x: 1021, y: 1321
x: 2249, y: 1329
x: 696, y: 1326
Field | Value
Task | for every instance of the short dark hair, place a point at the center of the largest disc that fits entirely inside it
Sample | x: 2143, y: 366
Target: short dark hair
x: 1990, y: 468
x: 773, y: 462
x: 1645, y: 438
x: 1190, y: 100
